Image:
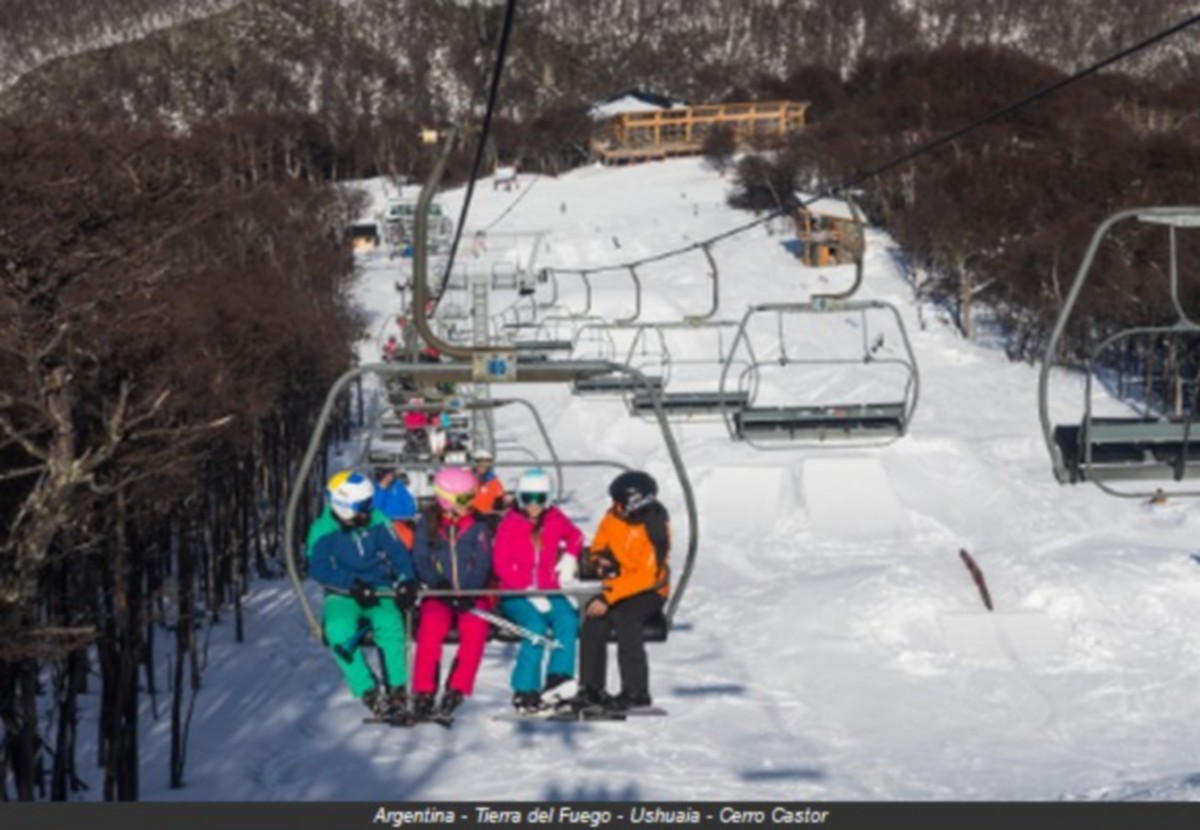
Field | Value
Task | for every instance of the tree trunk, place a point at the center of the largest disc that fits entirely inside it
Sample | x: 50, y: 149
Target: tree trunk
x: 184, y: 646
x: 965, y: 295
x: 123, y: 758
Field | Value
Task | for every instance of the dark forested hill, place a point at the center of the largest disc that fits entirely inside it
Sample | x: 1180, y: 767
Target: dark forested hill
x: 194, y: 59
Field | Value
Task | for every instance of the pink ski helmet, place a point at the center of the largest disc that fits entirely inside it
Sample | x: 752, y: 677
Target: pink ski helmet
x: 453, y: 485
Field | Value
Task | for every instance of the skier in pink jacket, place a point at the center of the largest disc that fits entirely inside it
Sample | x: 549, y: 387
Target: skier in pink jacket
x: 537, y: 548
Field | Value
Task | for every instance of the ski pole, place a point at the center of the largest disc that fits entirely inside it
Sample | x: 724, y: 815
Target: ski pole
x: 511, y: 627
x: 345, y: 650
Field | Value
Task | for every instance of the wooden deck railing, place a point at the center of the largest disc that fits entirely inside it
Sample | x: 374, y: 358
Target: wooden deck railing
x: 637, y: 136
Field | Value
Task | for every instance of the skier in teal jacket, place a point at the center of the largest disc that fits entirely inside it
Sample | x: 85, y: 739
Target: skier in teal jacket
x: 357, y: 557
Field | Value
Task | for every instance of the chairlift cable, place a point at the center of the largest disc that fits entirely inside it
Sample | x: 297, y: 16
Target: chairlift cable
x: 1044, y: 92
x: 917, y: 152
x: 510, y: 12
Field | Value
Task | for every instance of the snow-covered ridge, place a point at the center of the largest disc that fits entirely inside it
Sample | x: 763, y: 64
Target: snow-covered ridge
x: 23, y: 55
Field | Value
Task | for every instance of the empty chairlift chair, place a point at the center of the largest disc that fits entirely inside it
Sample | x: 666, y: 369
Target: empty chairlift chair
x: 872, y: 366
x: 1155, y: 447
x: 691, y: 388
x: 623, y: 343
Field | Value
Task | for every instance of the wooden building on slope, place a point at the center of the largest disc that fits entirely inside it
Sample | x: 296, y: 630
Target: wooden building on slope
x: 681, y: 131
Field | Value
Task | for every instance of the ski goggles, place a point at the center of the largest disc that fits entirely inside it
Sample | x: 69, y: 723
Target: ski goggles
x: 539, y: 499
x: 459, y: 499
x: 357, y: 508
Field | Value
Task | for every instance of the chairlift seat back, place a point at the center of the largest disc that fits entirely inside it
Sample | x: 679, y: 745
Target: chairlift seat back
x: 1129, y: 449
x: 613, y: 384
x: 823, y: 422
x: 691, y: 403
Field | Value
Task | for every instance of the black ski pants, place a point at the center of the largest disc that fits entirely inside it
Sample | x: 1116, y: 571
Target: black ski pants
x: 627, y: 618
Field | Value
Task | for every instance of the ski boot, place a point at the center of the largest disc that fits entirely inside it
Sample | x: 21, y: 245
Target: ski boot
x: 376, y: 703
x: 451, y: 700
x: 594, y: 704
x: 530, y: 704
x: 560, y: 690
x: 397, y: 711
x: 422, y: 706
x: 626, y: 701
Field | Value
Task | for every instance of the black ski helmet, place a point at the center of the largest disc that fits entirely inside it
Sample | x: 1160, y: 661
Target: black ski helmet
x: 633, y: 490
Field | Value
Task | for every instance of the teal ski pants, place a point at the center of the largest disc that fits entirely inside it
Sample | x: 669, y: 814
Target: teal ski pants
x: 564, y: 619
x: 342, y: 619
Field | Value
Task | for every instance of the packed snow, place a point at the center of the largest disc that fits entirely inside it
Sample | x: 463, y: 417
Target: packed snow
x: 831, y: 644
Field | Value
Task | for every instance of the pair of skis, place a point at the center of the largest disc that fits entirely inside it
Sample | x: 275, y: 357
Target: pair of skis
x: 585, y: 714
x: 406, y: 720
x: 505, y: 624
x: 345, y: 650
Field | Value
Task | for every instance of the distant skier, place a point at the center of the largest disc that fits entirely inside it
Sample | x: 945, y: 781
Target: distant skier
x: 425, y: 436
x: 452, y: 551
x: 629, y: 552
x: 391, y: 349
x: 537, y: 547
x: 354, y: 553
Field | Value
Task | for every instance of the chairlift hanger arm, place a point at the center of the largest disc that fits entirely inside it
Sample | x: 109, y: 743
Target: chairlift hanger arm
x: 637, y: 297
x: 553, y: 280
x: 587, y: 294
x: 421, y: 264
x: 858, y: 259
x: 716, y: 291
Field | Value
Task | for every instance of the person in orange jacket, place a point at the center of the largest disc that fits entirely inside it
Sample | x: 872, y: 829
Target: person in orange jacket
x: 629, y: 553
x: 490, y: 498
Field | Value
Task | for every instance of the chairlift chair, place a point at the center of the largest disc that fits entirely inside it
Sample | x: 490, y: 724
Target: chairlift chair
x: 504, y: 276
x: 861, y: 423
x: 692, y: 404
x: 627, y: 344
x: 425, y: 374
x: 1150, y: 453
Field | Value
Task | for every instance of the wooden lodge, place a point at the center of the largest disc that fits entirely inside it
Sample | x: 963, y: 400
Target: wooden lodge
x: 680, y: 131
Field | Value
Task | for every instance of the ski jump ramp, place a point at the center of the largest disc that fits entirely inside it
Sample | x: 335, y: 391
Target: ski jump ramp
x: 736, y: 496
x: 843, y: 497
x: 852, y: 497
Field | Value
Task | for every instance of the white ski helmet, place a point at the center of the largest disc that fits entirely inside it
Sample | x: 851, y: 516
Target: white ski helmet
x: 350, y: 495
x: 533, y: 487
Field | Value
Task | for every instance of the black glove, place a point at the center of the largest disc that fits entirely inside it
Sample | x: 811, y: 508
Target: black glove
x: 461, y: 603
x: 600, y: 564
x: 363, y: 594
x: 406, y: 594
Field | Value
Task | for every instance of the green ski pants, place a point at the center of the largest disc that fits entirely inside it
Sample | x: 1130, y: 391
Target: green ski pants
x: 342, y: 619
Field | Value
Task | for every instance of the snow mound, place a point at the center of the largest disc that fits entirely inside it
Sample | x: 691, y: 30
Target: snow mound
x: 852, y: 497
x: 743, y: 496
